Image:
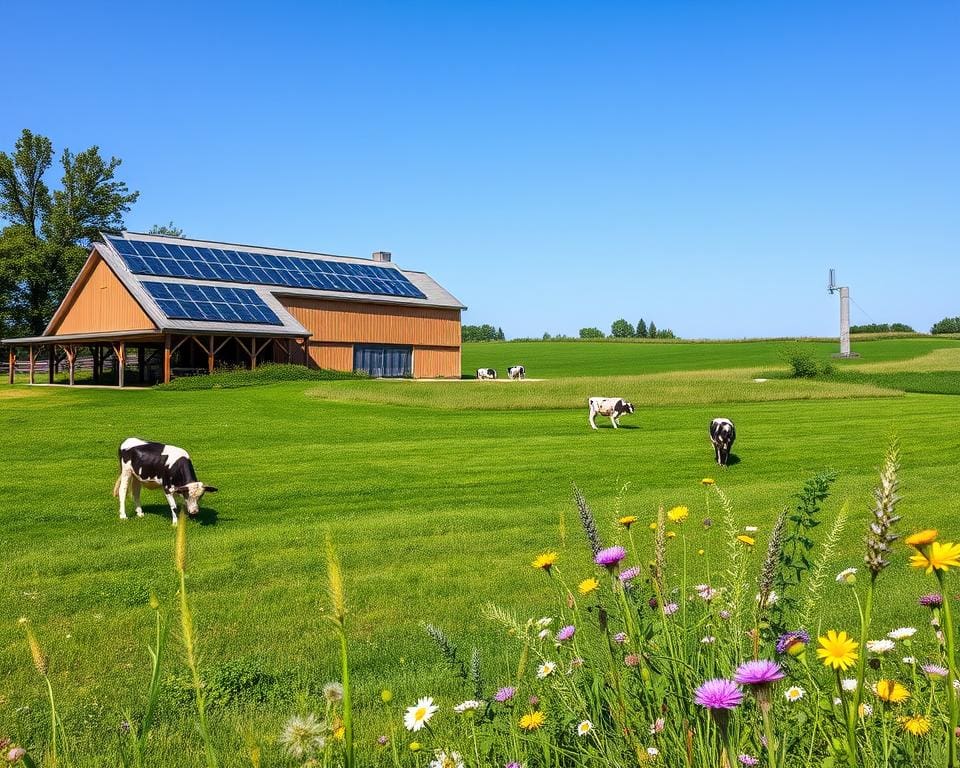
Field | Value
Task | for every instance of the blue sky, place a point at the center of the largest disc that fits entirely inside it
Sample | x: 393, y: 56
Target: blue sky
x: 554, y: 165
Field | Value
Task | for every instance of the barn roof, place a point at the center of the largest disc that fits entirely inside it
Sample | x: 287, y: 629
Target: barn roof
x: 203, y: 286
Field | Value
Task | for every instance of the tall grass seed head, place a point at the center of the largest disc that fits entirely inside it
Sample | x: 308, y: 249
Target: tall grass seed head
x: 40, y: 659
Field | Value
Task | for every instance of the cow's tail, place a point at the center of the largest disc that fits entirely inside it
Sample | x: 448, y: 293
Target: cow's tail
x: 116, y: 488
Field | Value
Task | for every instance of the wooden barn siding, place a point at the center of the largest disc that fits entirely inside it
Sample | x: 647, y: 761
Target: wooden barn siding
x: 436, y: 362
x: 102, y: 304
x: 360, y: 322
x: 337, y: 357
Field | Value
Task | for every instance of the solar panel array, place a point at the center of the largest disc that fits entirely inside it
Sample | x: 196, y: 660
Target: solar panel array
x: 180, y: 301
x: 200, y: 263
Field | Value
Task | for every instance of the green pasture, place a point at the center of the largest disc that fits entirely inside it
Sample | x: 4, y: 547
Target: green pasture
x: 437, y: 496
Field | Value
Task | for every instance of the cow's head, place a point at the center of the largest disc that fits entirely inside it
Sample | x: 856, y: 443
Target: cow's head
x: 627, y: 407
x: 192, y: 493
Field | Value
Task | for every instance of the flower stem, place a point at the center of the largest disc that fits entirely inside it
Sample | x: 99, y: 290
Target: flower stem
x: 952, y: 664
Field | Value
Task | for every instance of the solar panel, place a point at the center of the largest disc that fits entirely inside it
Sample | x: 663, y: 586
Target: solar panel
x: 180, y: 301
x: 198, y: 263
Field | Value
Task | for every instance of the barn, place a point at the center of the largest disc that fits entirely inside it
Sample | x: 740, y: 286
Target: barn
x: 146, y: 308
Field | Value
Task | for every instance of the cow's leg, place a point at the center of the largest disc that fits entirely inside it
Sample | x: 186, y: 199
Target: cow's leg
x: 136, y: 486
x: 172, y: 501
x: 613, y: 420
x: 593, y: 414
x: 122, y: 493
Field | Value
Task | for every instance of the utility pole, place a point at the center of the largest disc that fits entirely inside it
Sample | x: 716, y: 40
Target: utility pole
x: 844, y: 292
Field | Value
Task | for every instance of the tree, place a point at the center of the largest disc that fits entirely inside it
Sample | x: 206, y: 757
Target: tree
x: 591, y: 333
x: 641, y: 329
x: 666, y: 333
x: 483, y: 332
x: 47, y: 236
x: 168, y: 230
x: 500, y: 336
x: 621, y: 329
x: 652, y: 331
x: 947, y: 325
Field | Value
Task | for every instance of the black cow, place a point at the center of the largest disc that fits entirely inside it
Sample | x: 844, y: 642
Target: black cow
x: 722, y: 435
x: 157, y: 465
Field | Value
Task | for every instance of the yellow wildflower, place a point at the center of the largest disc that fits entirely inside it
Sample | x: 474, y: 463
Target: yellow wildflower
x: 940, y: 557
x: 545, y: 561
x: 918, y: 725
x: 837, y: 650
x: 678, y: 514
x: 627, y: 520
x: 921, y: 538
x: 588, y: 585
x: 891, y: 691
x: 748, y: 540
x: 532, y: 720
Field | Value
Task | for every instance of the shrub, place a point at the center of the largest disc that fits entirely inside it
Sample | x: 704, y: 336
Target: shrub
x: 591, y: 333
x: 803, y: 364
x: 882, y: 328
x: 947, y: 325
x: 270, y: 373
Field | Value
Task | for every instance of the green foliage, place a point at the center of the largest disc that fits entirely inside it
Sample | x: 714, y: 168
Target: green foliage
x: 269, y: 373
x: 947, y: 325
x: 168, y: 230
x: 795, y: 560
x: 882, y: 328
x: 483, y: 332
x: 621, y: 329
x: 591, y: 333
x: 652, y: 330
x: 803, y: 364
x: 45, y: 242
x: 642, y: 329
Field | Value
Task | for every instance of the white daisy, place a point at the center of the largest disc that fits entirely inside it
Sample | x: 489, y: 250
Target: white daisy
x: 418, y: 715
x: 584, y: 728
x: 880, y: 646
x: 750, y: 528
x: 546, y: 669
x: 847, y: 576
x: 444, y: 760
x: 653, y: 751
x: 909, y: 660
x: 467, y: 706
x: 849, y: 684
x: 543, y: 634
x: 902, y: 633
x: 794, y: 693
x: 708, y: 640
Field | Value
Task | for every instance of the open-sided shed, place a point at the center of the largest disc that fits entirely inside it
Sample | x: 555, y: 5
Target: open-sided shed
x: 172, y: 305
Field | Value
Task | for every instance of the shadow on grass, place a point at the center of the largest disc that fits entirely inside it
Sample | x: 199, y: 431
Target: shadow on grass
x: 206, y: 516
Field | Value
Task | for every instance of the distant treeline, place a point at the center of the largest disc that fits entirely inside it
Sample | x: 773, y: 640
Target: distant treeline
x: 947, y: 325
x: 481, y: 333
x: 622, y: 329
x: 882, y: 328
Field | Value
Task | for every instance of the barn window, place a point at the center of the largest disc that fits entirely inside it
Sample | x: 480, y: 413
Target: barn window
x: 383, y: 361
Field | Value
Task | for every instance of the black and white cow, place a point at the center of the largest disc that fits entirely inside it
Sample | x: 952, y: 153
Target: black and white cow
x: 516, y: 372
x: 614, y: 407
x: 722, y: 435
x: 156, y: 465
x: 486, y: 373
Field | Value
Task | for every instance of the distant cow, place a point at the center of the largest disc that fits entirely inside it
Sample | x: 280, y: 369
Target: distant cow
x: 156, y: 465
x: 516, y: 372
x: 614, y: 407
x: 486, y: 373
x: 722, y: 435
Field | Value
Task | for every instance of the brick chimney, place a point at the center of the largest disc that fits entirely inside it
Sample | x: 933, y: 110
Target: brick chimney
x: 381, y: 255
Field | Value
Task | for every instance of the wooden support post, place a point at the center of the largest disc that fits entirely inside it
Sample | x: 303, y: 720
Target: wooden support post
x: 71, y: 361
x: 166, y: 358
x: 305, y: 343
x: 95, y: 349
x: 121, y: 362
x: 140, y: 363
x: 52, y: 354
x: 210, y: 359
x: 253, y: 353
x: 13, y: 363
x: 33, y: 365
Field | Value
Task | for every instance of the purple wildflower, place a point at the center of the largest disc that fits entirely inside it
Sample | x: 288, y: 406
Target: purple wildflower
x: 610, y: 557
x: 748, y: 760
x: 383, y: 741
x: 629, y: 574
x: 789, y: 640
x: 725, y: 614
x: 718, y: 693
x: 652, y: 602
x: 565, y: 633
x: 534, y: 701
x: 758, y: 673
x: 935, y: 670
x: 670, y: 608
x: 631, y: 660
x: 513, y: 764
x: 505, y: 694
x: 932, y: 600
x: 620, y: 637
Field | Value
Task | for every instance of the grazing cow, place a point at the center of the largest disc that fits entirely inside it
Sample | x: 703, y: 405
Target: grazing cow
x: 486, y: 373
x: 156, y: 465
x: 722, y: 435
x: 516, y: 372
x: 614, y: 407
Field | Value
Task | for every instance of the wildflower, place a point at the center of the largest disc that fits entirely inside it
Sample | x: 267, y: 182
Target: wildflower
x: 909, y: 660
x: 544, y: 621
x: 533, y: 701
x: 339, y: 732
x: 865, y: 710
x: 653, y: 526
x: 302, y: 736
x: 652, y: 752
x: 902, y: 633
x: 333, y: 692
x: 880, y: 646
x: 657, y: 726
x: 565, y: 633
x: 671, y: 534
x: 467, y: 706
x: 631, y: 660
x: 443, y: 760
x: 933, y: 600
x: 419, y: 715
x: 707, y: 481
x: 543, y: 634
x: 718, y: 693
x: 849, y: 684
x: 627, y: 520
x: 794, y: 693
x: 546, y: 669
x: 670, y: 608
x: 610, y: 557
x: 678, y: 514
x: 748, y: 540
x: 15, y: 754
x: 916, y: 725
x: 575, y: 664
x: 629, y: 575
x: 939, y: 557
x: 724, y: 614
x: 837, y: 650
x: 935, y: 670
x: 921, y: 538
x: 750, y: 529
x: 415, y: 746
x: 532, y: 720
x: 748, y: 760
x: 708, y: 640
x: 758, y: 673
x: 793, y: 642
x: 706, y: 592
x: 383, y: 741
x: 620, y: 638
x: 386, y: 696
x: 513, y: 764
x: 847, y: 576
x: 504, y: 694
x: 588, y: 585
x: 772, y: 598
x: 701, y: 552
x: 891, y: 691
x: 584, y: 728
x: 545, y: 561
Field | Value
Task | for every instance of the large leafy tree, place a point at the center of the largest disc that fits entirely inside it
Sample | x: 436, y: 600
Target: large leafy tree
x: 48, y: 233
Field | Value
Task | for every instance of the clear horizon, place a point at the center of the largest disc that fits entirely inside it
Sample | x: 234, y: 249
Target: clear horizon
x: 553, y: 166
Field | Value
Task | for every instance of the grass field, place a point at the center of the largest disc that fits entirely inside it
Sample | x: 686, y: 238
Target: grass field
x: 437, y: 496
